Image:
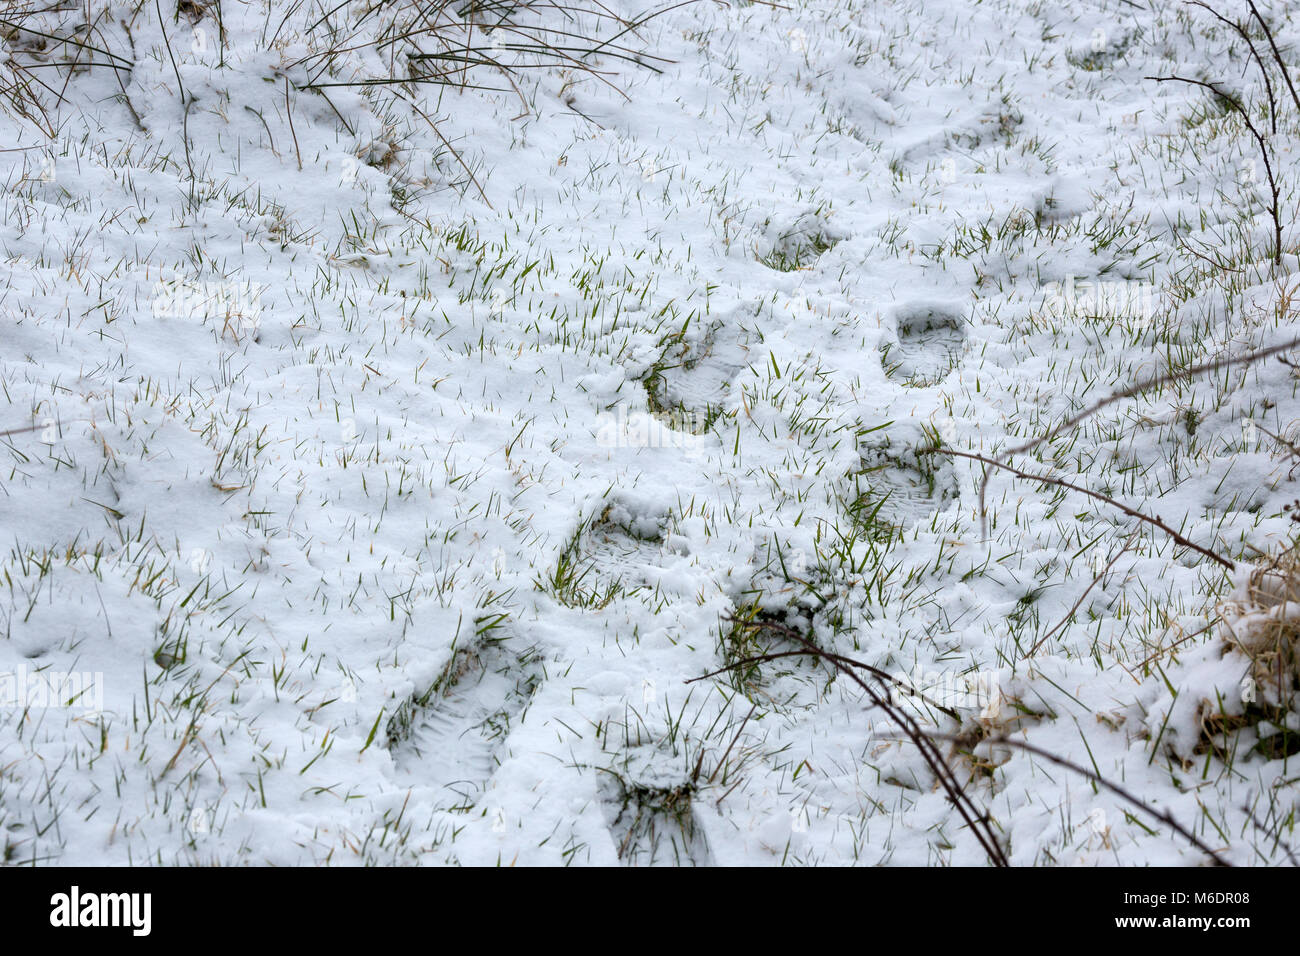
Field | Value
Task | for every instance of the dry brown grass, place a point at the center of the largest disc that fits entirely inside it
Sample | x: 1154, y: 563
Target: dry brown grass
x: 1264, y: 625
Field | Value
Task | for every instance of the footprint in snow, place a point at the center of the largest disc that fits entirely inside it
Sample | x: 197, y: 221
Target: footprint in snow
x: 894, y: 492
x: 652, y: 822
x: 693, y: 385
x: 452, y: 737
x: 930, y: 341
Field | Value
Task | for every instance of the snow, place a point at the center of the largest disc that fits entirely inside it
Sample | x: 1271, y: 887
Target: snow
x: 401, y: 523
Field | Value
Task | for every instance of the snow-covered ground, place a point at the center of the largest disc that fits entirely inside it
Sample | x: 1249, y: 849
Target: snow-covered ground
x: 375, y: 513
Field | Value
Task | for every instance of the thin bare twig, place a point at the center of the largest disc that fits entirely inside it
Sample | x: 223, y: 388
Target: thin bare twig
x: 1164, y: 378
x: 976, y: 820
x: 1277, y: 55
x: 1241, y: 32
x: 1062, y: 483
x: 1239, y: 108
x: 778, y: 655
x: 1162, y: 815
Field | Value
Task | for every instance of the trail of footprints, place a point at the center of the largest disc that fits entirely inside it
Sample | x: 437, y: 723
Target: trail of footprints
x: 651, y: 820
x: 452, y: 738
x: 649, y: 815
x: 647, y: 808
x: 898, y: 489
